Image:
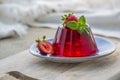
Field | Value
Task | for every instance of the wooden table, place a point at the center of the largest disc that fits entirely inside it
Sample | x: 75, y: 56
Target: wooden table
x: 106, y: 68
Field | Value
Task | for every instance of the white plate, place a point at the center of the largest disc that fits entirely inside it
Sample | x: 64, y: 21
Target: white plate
x: 105, y: 48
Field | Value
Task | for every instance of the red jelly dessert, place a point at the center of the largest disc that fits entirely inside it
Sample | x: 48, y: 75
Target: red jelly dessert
x: 74, y: 39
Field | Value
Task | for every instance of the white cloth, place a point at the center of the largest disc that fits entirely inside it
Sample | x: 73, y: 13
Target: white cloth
x: 7, y: 30
x: 102, y: 15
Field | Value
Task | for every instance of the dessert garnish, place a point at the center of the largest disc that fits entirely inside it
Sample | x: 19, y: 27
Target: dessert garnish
x: 74, y: 23
x: 44, y: 46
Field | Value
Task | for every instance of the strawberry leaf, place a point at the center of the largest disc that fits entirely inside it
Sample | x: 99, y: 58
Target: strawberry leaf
x: 44, y: 37
x: 38, y: 40
x: 72, y: 25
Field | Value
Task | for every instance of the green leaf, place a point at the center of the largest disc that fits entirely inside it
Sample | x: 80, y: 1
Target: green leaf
x: 82, y: 20
x: 81, y: 30
x: 44, y: 37
x: 82, y: 25
x: 72, y: 25
x: 63, y: 18
x: 38, y: 40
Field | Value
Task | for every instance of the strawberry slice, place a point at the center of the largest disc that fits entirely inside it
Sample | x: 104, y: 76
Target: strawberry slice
x: 45, y: 46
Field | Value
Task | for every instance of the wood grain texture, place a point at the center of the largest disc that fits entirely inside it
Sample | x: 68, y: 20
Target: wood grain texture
x: 106, y: 68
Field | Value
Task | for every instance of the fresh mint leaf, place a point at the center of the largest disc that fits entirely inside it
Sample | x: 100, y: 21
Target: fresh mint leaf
x: 83, y: 29
x: 80, y: 30
x: 82, y: 20
x: 72, y: 25
x: 82, y: 25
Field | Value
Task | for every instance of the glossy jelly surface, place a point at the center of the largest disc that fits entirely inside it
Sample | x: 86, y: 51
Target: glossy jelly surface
x: 70, y: 43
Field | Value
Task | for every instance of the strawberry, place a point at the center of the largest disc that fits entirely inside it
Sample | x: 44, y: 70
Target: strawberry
x: 45, y: 46
x: 71, y: 18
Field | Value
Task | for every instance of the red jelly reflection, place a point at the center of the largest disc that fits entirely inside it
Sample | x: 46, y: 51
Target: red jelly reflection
x: 70, y: 43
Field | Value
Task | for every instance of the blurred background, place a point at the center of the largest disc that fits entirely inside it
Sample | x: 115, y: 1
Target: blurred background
x: 22, y: 21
